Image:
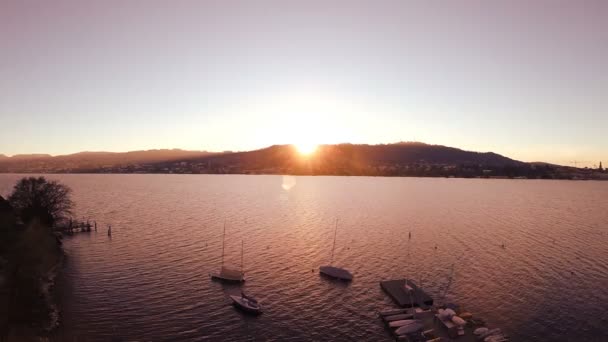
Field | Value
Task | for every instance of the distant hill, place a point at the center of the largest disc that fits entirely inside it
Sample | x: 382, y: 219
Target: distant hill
x: 29, y: 156
x: 349, y: 159
x: 92, y: 161
x: 399, y: 159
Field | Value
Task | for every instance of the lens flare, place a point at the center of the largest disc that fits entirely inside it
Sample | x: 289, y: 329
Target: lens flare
x: 306, y: 149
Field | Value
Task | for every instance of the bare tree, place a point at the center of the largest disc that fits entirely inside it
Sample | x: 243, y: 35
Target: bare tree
x: 38, y: 198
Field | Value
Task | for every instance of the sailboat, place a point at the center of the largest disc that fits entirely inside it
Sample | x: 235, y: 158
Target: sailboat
x: 333, y: 271
x: 228, y: 274
x: 247, y: 303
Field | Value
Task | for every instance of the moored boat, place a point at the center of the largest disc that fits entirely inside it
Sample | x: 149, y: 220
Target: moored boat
x: 247, y: 303
x: 333, y: 271
x: 336, y: 272
x: 229, y: 274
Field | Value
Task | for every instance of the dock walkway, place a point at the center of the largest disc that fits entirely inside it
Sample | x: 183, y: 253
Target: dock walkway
x: 396, y: 290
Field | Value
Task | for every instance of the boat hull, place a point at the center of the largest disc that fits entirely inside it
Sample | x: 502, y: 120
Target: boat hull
x: 238, y: 302
x: 401, y: 323
x: 336, y: 273
x: 219, y: 277
x: 409, y: 328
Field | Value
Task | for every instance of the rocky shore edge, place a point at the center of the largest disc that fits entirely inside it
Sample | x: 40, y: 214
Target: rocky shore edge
x: 48, y: 289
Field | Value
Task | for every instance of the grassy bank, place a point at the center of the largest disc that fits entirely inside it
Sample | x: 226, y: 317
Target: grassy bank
x: 30, y: 257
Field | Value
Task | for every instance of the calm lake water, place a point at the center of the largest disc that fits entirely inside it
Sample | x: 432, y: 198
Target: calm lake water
x: 150, y: 280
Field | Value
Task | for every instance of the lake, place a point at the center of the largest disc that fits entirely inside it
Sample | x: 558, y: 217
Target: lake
x: 150, y: 280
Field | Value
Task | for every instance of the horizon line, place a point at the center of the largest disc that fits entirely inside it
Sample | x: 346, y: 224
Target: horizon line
x: 231, y: 151
x: 566, y: 163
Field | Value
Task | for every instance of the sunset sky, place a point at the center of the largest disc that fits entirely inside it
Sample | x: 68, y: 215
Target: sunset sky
x: 527, y: 79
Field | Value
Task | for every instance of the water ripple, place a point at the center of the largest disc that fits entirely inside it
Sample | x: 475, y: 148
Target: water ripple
x: 150, y: 281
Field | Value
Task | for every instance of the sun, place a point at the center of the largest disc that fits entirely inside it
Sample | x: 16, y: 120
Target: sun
x: 306, y: 148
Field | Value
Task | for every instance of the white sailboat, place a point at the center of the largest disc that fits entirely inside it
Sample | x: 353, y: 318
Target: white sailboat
x: 333, y: 271
x: 247, y: 303
x: 228, y: 274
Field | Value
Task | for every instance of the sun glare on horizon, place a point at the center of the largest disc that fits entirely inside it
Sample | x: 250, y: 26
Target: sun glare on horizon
x: 306, y: 148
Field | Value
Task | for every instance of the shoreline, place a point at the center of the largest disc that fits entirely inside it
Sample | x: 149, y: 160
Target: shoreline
x: 573, y: 179
x: 32, y: 297
x: 49, y: 290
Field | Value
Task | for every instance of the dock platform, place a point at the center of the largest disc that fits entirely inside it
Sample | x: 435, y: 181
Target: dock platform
x: 396, y: 290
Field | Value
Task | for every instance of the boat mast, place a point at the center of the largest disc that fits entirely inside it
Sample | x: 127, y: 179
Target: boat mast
x: 242, y: 249
x: 447, y: 287
x: 223, y: 238
x: 406, y: 286
x: 334, y: 246
x: 407, y: 262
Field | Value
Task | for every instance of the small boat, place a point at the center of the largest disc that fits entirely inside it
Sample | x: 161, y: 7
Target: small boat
x: 247, y: 303
x: 488, y: 333
x: 494, y: 335
x: 401, y: 323
x: 333, y: 271
x: 336, y: 272
x: 391, y: 312
x: 229, y: 274
x: 398, y: 317
x: 410, y: 328
x: 496, y: 338
x: 480, y: 331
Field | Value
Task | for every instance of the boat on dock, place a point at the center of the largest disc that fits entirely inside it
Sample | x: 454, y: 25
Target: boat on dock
x: 413, y: 327
x: 247, y: 304
x: 333, y: 271
x: 423, y: 320
x: 401, y: 323
x: 398, y: 317
x: 391, y: 312
x: 228, y: 274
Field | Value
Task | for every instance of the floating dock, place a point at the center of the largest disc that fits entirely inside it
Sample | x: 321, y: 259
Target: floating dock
x: 417, y: 319
x: 406, y: 299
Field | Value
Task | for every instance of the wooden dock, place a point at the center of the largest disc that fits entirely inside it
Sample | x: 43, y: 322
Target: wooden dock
x: 422, y: 321
x: 416, y: 297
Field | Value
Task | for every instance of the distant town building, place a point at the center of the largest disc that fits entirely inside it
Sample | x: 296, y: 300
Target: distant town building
x: 601, y: 169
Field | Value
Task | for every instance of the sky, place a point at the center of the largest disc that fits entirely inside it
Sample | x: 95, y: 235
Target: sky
x: 526, y: 79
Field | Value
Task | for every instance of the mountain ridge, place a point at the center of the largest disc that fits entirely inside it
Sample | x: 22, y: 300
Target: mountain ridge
x: 346, y: 159
x: 77, y: 162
